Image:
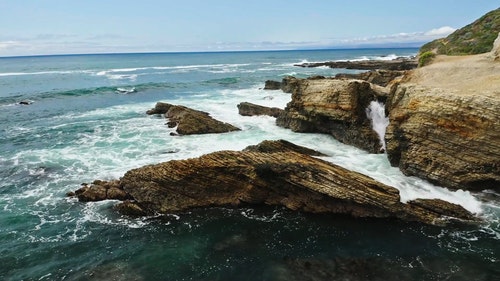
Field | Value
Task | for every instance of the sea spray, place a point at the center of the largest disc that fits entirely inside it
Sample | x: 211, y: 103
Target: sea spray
x: 376, y: 113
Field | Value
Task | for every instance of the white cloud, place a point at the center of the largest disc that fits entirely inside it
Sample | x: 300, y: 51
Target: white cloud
x: 106, y: 43
x: 403, y: 37
x: 4, y: 45
x: 440, y: 32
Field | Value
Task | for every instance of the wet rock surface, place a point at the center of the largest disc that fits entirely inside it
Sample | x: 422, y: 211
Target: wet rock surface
x: 332, y: 106
x: 448, y: 138
x: 189, y: 121
x: 250, y: 109
x: 278, y: 177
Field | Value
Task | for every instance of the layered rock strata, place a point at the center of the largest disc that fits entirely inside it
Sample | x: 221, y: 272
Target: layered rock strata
x: 250, y: 109
x: 446, y: 137
x: 378, y: 77
x: 279, y: 176
x: 335, y: 107
x: 189, y: 121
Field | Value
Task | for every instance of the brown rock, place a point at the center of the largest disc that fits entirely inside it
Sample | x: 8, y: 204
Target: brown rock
x: 282, y: 146
x: 190, y: 121
x: 101, y: 190
x: 160, y: 108
x: 444, y: 136
x: 281, y: 177
x: 91, y: 193
x: 130, y: 208
x: 290, y: 179
x: 250, y: 109
x: 272, y: 85
x: 289, y: 84
x: 335, y: 107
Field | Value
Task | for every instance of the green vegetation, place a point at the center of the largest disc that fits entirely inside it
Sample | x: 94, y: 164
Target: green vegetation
x: 475, y: 38
x: 425, y: 58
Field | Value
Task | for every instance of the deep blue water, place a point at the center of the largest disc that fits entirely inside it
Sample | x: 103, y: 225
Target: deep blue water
x: 80, y: 128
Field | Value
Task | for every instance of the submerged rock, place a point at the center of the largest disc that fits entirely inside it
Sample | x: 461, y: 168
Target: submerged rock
x: 340, y: 268
x: 189, y: 121
x: 281, y: 177
x: 26, y: 102
x: 335, y: 107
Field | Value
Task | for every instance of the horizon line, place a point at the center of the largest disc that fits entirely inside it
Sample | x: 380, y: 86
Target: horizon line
x: 200, y: 52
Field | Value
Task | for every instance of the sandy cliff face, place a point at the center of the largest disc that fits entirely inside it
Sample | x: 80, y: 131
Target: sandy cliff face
x: 445, y: 123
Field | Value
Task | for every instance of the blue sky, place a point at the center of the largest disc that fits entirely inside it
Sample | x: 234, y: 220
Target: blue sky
x: 34, y: 27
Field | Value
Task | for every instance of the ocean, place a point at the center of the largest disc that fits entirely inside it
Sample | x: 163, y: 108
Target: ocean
x: 86, y: 120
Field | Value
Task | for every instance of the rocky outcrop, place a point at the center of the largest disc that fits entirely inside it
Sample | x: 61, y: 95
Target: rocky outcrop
x: 395, y: 64
x: 448, y: 137
x: 377, y: 77
x: 282, y: 146
x: 250, y: 109
x: 272, y: 85
x: 335, y: 107
x: 101, y: 190
x: 189, y: 121
x: 276, y: 177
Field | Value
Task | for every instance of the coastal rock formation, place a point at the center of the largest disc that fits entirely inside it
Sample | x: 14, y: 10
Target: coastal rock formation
x: 280, y: 177
x: 282, y: 146
x: 189, y: 121
x: 335, y: 107
x: 101, y: 190
x: 445, y: 122
x: 272, y: 85
x: 289, y: 84
x: 250, y: 109
x: 377, y: 77
x: 444, y: 136
x: 395, y: 64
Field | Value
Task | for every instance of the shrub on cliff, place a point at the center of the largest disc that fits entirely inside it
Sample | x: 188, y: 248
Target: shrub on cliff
x: 425, y: 58
x: 475, y: 38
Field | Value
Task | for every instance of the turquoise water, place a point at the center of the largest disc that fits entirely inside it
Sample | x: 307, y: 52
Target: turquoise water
x: 80, y: 128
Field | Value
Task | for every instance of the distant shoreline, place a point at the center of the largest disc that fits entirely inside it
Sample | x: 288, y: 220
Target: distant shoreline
x: 208, y: 52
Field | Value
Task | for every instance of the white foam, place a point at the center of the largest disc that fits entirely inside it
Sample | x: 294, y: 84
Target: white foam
x: 124, y: 137
x: 376, y: 113
x: 58, y: 72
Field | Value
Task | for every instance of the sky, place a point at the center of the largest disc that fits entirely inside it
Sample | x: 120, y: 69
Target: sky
x: 42, y: 27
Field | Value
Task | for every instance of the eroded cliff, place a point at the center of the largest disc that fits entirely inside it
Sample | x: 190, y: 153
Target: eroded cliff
x: 445, y: 123
x: 332, y: 106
